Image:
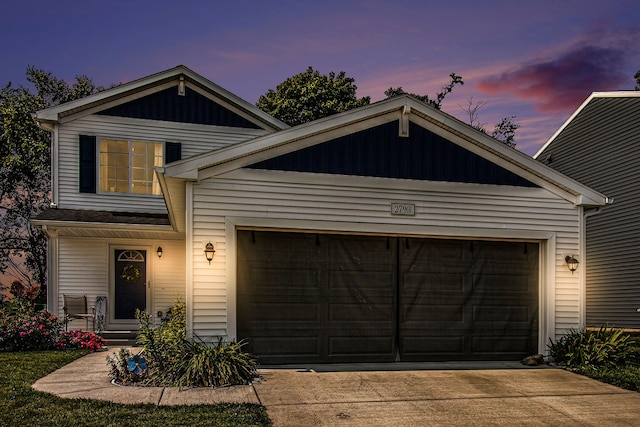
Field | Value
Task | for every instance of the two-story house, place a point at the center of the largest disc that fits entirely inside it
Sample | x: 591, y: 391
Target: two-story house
x: 390, y: 232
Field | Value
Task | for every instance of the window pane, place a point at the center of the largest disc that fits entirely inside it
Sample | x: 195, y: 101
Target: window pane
x: 114, y: 146
x: 139, y: 161
x: 139, y: 174
x: 139, y: 148
x: 129, y: 166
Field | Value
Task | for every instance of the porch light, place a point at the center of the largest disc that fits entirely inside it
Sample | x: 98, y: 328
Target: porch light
x: 159, y: 251
x: 209, y: 251
x: 572, y: 263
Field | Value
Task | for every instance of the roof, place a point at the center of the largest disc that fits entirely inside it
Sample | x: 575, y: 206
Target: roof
x: 403, y: 108
x: 103, y: 217
x: 617, y: 97
x: 144, y: 86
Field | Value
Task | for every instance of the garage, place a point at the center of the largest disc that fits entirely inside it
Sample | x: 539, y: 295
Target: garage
x: 331, y: 298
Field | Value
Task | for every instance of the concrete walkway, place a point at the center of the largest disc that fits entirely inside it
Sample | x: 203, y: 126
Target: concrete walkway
x: 498, y: 394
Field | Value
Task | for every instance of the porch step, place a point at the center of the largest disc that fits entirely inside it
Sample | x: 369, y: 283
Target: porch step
x: 120, y: 338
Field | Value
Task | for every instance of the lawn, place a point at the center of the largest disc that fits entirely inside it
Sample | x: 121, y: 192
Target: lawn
x: 20, y: 405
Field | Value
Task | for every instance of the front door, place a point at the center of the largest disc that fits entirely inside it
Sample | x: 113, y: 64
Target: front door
x: 130, y: 283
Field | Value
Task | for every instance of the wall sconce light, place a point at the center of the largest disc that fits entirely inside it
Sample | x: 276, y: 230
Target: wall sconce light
x: 209, y: 251
x: 159, y: 251
x: 572, y: 263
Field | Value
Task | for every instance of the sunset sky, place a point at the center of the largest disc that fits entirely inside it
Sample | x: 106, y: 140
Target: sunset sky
x: 536, y: 60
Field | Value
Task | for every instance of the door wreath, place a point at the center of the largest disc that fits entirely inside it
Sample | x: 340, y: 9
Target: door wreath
x: 130, y: 273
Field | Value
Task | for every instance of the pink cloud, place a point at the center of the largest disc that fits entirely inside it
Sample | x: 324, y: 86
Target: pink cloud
x: 599, y: 60
x: 561, y: 83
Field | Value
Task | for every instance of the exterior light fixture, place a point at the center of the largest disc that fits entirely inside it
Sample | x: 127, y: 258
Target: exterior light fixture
x: 572, y: 263
x: 159, y: 251
x: 209, y: 251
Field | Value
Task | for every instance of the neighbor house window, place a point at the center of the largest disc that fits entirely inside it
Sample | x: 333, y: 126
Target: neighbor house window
x: 127, y: 166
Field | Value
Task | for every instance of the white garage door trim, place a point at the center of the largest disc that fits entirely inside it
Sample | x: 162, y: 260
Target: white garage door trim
x: 547, y: 240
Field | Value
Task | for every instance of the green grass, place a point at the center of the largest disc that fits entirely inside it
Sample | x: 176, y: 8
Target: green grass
x: 20, y: 405
x: 627, y: 377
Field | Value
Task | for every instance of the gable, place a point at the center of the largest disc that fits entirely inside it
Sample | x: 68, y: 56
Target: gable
x: 380, y: 152
x: 168, y: 105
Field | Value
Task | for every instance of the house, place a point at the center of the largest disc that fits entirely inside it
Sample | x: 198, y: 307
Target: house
x: 599, y: 146
x: 389, y: 232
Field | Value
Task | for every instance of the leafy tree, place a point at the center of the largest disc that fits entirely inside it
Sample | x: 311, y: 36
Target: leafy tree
x: 505, y: 131
x: 24, y: 171
x: 310, y: 96
x: 637, y: 77
x: 437, y: 102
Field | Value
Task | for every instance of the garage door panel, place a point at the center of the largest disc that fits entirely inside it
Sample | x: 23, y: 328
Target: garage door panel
x: 358, y: 312
x: 263, y: 280
x: 443, y: 283
x: 364, y: 347
x: 497, y: 346
x: 489, y: 293
x: 348, y: 281
x: 431, y: 314
x: 500, y: 314
x: 505, y: 284
x: 285, y: 312
x: 279, y: 345
x: 342, y: 298
x: 425, y: 347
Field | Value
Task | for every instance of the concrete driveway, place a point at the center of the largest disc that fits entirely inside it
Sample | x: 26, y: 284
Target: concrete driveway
x: 441, y: 394
x: 434, y: 397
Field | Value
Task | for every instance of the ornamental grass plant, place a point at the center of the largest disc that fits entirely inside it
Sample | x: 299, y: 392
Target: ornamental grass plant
x: 170, y: 359
x: 609, y: 355
x: 606, y: 347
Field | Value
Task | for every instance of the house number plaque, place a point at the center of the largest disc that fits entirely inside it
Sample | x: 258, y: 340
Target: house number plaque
x: 403, y: 209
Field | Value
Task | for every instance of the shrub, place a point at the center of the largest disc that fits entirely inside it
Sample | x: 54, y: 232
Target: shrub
x: 607, y: 347
x: 23, y: 327
x: 165, y: 345
x: 219, y: 365
x: 79, y: 340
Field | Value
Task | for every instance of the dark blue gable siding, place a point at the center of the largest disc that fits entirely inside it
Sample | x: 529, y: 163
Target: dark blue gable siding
x: 380, y: 152
x: 167, y: 105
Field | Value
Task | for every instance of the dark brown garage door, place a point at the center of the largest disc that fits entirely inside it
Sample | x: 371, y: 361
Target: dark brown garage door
x: 342, y: 298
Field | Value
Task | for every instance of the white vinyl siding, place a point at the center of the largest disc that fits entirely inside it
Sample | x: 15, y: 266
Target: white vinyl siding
x: 195, y: 139
x: 354, y: 204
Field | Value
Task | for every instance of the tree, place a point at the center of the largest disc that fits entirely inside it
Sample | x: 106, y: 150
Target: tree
x: 472, y: 109
x: 24, y: 171
x: 637, y: 77
x: 437, y: 102
x: 504, y: 131
x: 310, y: 96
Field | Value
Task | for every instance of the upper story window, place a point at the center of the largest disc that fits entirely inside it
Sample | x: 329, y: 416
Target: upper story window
x: 127, y: 166
x: 110, y: 165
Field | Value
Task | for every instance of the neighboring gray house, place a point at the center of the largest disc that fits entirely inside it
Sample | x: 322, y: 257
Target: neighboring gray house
x: 599, y: 145
x: 389, y: 232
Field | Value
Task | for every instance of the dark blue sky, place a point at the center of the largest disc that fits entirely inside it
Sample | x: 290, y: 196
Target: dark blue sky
x: 534, y: 60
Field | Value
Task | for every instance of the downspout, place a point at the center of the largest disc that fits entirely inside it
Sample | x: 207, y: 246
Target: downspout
x: 52, y: 128
x: 52, y: 234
